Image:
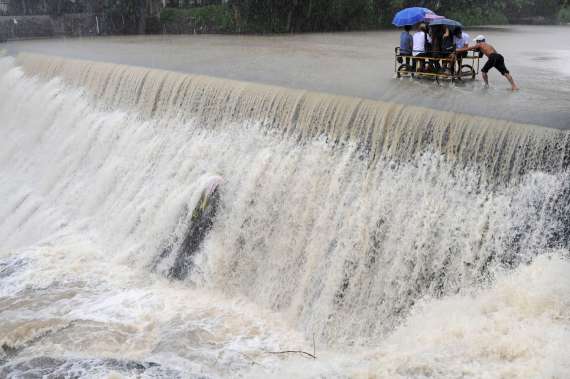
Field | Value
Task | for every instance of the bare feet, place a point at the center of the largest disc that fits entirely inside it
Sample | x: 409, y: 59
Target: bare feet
x: 514, y: 86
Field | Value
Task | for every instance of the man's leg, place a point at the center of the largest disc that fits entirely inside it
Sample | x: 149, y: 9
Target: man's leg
x: 505, y: 72
x: 485, y: 78
x: 512, y: 81
x: 419, y: 62
x: 489, y: 65
x: 453, y: 58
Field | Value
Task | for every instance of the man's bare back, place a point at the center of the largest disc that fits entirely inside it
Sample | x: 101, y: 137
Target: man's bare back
x: 485, y: 48
x: 494, y: 59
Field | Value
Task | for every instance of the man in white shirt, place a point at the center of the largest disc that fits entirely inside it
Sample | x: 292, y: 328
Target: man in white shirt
x: 419, y: 45
x: 420, y: 38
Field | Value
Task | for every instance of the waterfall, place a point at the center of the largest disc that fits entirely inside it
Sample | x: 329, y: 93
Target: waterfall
x: 338, y: 213
x: 381, y: 130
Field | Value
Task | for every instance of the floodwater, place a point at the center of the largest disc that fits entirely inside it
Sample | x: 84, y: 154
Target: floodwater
x: 351, y: 238
x: 353, y: 64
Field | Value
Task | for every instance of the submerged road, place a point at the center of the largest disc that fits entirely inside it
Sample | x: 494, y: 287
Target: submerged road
x: 352, y: 64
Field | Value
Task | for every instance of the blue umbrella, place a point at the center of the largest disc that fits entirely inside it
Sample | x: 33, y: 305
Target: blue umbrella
x: 447, y: 22
x: 410, y: 16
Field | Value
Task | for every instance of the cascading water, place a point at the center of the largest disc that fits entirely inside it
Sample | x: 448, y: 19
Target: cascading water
x: 349, y: 220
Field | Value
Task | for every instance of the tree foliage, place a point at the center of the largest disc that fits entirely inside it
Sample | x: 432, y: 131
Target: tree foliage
x: 325, y: 15
x: 52, y: 7
x: 132, y: 9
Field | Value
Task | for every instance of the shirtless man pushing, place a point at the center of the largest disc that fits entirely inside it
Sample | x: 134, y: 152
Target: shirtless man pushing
x: 494, y: 60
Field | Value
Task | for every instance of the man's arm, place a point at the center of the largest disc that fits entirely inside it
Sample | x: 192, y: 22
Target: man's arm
x: 472, y: 48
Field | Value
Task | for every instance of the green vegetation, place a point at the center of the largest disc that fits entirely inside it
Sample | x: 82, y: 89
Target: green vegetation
x: 479, y: 16
x: 279, y: 16
x: 133, y: 9
x: 51, y: 7
x: 218, y: 17
x: 565, y: 15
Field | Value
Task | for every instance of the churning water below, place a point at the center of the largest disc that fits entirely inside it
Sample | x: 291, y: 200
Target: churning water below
x: 389, y: 241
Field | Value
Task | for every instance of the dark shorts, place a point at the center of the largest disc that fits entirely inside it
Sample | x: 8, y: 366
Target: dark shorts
x: 404, y: 56
x: 496, y: 60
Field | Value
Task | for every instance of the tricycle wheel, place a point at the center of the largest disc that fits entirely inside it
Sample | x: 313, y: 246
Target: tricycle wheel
x: 404, y: 70
x: 467, y: 70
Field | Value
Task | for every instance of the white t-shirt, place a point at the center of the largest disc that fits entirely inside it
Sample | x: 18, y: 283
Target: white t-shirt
x: 420, y: 43
x: 461, y: 42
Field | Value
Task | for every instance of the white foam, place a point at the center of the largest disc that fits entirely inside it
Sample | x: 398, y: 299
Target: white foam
x: 519, y: 328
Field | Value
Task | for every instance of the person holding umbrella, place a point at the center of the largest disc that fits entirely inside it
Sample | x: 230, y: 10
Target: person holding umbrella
x: 494, y: 59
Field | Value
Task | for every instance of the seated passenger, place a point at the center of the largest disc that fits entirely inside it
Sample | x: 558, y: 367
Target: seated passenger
x: 420, y: 40
x: 460, y: 38
x: 461, y: 41
x: 447, y: 48
x: 406, y: 44
x: 447, y: 45
x: 435, y: 35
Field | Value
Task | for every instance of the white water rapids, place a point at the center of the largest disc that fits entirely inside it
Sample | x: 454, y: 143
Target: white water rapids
x: 439, y: 252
